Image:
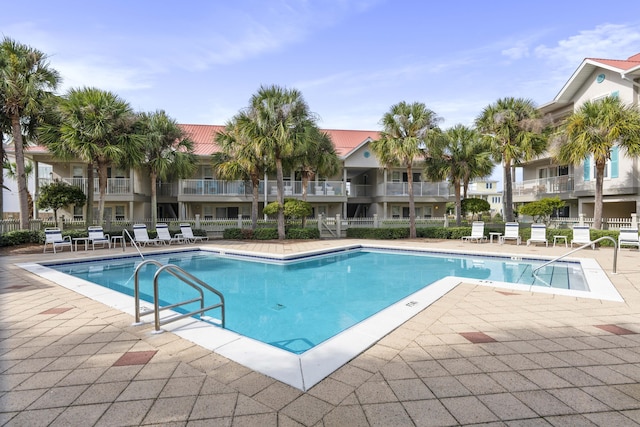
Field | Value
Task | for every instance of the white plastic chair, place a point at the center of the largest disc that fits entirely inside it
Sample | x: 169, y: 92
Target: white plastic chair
x: 96, y: 235
x: 511, y: 232
x: 628, y: 237
x: 477, y: 232
x: 165, y: 236
x: 581, y: 236
x: 538, y: 234
x: 141, y: 236
x: 187, y: 234
x: 53, y: 237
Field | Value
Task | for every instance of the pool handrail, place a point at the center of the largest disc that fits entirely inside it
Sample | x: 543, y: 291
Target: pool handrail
x: 132, y: 240
x: 186, y: 278
x: 615, y: 254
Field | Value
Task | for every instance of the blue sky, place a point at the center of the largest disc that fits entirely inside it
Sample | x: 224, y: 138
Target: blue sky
x: 202, y: 60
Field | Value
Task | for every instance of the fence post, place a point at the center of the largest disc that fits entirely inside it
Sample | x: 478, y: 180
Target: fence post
x: 197, y: 221
x: 634, y: 220
x: 338, y: 226
x: 581, y: 219
x: 446, y: 221
x: 375, y: 220
x: 239, y: 220
x: 61, y: 222
x: 320, y: 224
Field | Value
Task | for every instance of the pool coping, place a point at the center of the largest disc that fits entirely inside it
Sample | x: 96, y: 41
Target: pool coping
x: 307, y: 369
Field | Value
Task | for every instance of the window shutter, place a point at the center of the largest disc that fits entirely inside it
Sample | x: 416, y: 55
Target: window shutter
x: 614, y: 161
x: 587, y: 169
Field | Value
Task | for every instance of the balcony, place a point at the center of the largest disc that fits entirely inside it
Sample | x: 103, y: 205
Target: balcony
x: 544, y: 186
x: 428, y: 189
x: 114, y: 185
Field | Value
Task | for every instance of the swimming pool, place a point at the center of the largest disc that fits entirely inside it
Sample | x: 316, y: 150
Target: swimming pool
x: 328, y: 305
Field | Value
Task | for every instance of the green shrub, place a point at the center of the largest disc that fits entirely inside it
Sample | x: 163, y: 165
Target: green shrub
x: 303, y: 233
x: 21, y: 237
x: 378, y: 233
x: 460, y: 232
x: 232, y: 234
x: 266, y: 234
x: 596, y: 234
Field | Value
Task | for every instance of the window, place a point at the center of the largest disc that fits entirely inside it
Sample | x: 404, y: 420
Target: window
x: 395, y: 176
x: 496, y: 200
x: 119, y: 213
x: 77, y: 213
x: 395, y: 211
x: 610, y: 168
x: 488, y: 185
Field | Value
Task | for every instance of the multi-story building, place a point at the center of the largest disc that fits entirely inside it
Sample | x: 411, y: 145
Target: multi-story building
x: 362, y: 188
x: 487, y: 189
x: 575, y: 184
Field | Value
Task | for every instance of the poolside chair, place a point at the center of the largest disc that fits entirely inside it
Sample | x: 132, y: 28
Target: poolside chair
x: 187, y: 234
x: 581, y: 236
x: 165, y: 236
x: 538, y: 234
x: 477, y: 232
x: 511, y: 232
x: 141, y: 236
x: 628, y: 237
x: 96, y: 235
x: 53, y: 237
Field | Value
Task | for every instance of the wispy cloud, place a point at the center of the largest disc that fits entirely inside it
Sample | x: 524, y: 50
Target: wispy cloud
x: 102, y: 73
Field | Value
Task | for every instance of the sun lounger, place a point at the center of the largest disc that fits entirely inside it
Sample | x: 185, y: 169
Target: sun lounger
x: 628, y: 237
x: 165, y: 236
x: 187, y: 234
x: 477, y: 232
x: 538, y: 234
x: 97, y: 236
x: 581, y: 236
x: 141, y: 236
x: 53, y: 237
x: 511, y: 232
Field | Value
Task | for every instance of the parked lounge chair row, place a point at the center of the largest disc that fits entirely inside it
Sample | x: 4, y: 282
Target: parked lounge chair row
x: 581, y: 235
x: 97, y: 236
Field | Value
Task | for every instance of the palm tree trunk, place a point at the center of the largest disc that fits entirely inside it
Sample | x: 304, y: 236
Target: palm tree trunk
x: 255, y: 187
x: 2, y: 158
x: 154, y: 198
x: 280, y: 197
x: 305, y: 182
x: 412, y: 204
x: 598, y: 201
x: 456, y: 185
x: 90, y: 193
x: 20, y: 174
x: 508, y: 192
x: 102, y: 185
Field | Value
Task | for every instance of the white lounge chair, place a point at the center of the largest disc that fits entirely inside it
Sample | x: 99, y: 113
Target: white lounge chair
x: 187, y: 234
x: 477, y: 232
x: 511, y: 232
x: 141, y: 236
x: 96, y: 235
x: 628, y: 237
x: 165, y: 236
x: 53, y: 237
x: 581, y: 236
x: 538, y: 234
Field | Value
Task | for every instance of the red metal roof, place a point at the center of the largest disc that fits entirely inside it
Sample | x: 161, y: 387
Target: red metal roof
x: 344, y: 141
x: 622, y: 64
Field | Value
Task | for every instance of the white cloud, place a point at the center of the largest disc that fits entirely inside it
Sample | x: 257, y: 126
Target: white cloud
x: 102, y: 73
x: 516, y: 52
x: 612, y: 41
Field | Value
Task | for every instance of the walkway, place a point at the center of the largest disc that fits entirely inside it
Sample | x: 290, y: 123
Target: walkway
x: 477, y: 355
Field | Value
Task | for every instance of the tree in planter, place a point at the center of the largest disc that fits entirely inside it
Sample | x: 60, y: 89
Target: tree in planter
x: 59, y: 194
x: 293, y: 209
x: 541, y: 210
x: 475, y: 206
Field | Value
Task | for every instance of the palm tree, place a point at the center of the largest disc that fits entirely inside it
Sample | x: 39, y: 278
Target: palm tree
x: 168, y: 152
x: 275, y: 122
x: 403, y: 142
x: 97, y: 127
x: 517, y: 133
x: 26, y: 81
x: 597, y: 128
x: 459, y: 154
x: 238, y: 159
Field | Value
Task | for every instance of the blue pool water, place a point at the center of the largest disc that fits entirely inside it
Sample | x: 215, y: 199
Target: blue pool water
x: 296, y: 305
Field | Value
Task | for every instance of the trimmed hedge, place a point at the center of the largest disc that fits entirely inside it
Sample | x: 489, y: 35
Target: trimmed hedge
x: 270, y: 234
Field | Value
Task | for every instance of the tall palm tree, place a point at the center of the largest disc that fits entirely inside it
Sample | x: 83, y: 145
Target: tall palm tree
x: 97, y: 127
x: 406, y: 127
x: 316, y: 155
x: 26, y: 81
x: 459, y: 154
x: 238, y: 159
x: 168, y: 152
x: 517, y: 133
x: 275, y: 121
x: 595, y: 129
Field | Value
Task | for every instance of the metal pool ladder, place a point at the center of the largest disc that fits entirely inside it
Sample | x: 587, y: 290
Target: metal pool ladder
x: 185, y: 277
x: 615, y: 255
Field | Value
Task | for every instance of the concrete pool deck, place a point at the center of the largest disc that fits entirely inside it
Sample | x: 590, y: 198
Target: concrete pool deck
x: 477, y: 355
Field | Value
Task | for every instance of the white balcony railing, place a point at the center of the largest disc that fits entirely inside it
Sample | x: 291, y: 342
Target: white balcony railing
x: 114, y: 185
x: 419, y: 189
x: 554, y: 185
